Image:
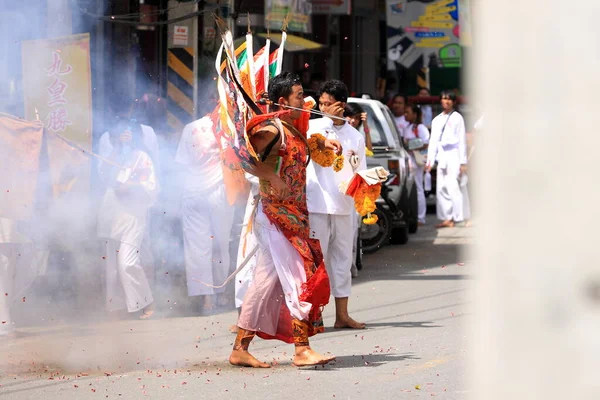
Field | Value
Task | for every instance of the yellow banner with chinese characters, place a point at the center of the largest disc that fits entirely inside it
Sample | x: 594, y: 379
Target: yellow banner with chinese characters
x: 57, y: 90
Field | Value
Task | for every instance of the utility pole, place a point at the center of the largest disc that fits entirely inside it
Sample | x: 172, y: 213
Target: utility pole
x: 232, y: 17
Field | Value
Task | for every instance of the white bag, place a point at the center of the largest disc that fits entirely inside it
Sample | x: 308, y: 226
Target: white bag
x: 420, y: 157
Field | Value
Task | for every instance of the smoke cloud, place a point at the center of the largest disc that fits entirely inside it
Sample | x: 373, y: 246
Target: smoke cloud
x: 57, y: 277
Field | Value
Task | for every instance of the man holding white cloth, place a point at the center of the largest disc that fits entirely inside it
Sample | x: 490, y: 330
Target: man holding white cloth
x: 332, y: 216
x: 448, y: 146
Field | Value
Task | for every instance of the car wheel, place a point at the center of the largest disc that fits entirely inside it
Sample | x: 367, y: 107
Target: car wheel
x: 376, y: 235
x: 359, y: 252
x: 409, y: 206
x: 399, y: 235
x: 413, y: 213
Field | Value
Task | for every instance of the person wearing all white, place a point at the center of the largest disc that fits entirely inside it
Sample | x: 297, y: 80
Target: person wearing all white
x: 131, y: 190
x: 148, y: 138
x: 398, y: 104
x: 20, y: 264
x: 448, y: 146
x: 416, y: 130
x: 150, y: 142
x: 207, y: 218
x: 7, y: 271
x: 332, y: 216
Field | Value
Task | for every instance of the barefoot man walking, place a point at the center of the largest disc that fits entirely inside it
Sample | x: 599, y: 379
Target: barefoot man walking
x: 290, y: 284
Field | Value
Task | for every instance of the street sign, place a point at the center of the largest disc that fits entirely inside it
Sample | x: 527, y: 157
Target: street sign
x: 331, y: 7
x: 299, y: 12
x: 423, y: 33
x: 181, y: 35
x: 57, y: 88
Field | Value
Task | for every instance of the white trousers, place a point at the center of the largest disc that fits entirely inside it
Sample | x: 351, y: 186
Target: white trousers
x: 422, y: 204
x: 279, y: 275
x: 207, y: 221
x: 126, y: 282
x: 146, y: 253
x: 449, y: 197
x: 357, y: 221
x: 248, y: 241
x: 7, y: 270
x: 336, y: 236
x: 20, y: 264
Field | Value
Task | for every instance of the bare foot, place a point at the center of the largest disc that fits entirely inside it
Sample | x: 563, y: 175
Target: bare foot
x: 445, y: 224
x: 348, y: 323
x: 310, y: 357
x: 234, y: 329
x: 148, y: 311
x: 243, y: 358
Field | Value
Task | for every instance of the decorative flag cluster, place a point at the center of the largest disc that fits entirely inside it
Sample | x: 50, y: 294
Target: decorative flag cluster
x: 230, y: 117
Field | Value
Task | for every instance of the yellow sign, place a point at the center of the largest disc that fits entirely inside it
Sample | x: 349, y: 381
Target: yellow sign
x: 57, y: 91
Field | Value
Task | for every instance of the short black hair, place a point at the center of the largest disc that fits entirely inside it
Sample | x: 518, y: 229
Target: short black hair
x: 120, y: 101
x: 400, y: 95
x: 353, y: 109
x: 335, y: 88
x: 416, y: 108
x: 282, y: 84
x: 449, y: 94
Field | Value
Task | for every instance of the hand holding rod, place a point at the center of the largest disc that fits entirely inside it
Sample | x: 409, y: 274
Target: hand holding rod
x: 265, y: 102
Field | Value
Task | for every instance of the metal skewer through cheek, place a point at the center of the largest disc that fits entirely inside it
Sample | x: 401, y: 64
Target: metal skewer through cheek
x: 269, y: 102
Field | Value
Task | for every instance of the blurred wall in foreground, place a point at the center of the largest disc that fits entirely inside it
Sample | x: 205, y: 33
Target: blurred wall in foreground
x: 535, y: 71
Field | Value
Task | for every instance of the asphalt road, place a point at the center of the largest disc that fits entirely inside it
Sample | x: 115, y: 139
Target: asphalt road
x: 414, y: 298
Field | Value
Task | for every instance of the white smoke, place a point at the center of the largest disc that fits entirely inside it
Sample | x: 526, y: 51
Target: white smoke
x: 68, y: 292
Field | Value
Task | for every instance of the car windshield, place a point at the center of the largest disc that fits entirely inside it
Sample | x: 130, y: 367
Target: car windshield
x: 378, y: 137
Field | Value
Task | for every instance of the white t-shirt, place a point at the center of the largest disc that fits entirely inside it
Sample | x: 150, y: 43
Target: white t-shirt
x: 452, y: 144
x: 422, y: 133
x: 199, y: 151
x: 322, y: 184
x: 123, y: 217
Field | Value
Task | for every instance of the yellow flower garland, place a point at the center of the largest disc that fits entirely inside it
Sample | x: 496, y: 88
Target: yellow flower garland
x: 338, y: 163
x: 324, y: 158
x: 364, y: 201
x: 371, y: 219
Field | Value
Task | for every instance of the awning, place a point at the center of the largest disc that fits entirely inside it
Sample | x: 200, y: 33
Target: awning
x: 293, y: 42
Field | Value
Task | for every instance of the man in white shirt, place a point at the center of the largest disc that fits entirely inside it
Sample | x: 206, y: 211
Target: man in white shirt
x: 398, y: 104
x: 207, y: 218
x: 332, y: 217
x: 448, y: 146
